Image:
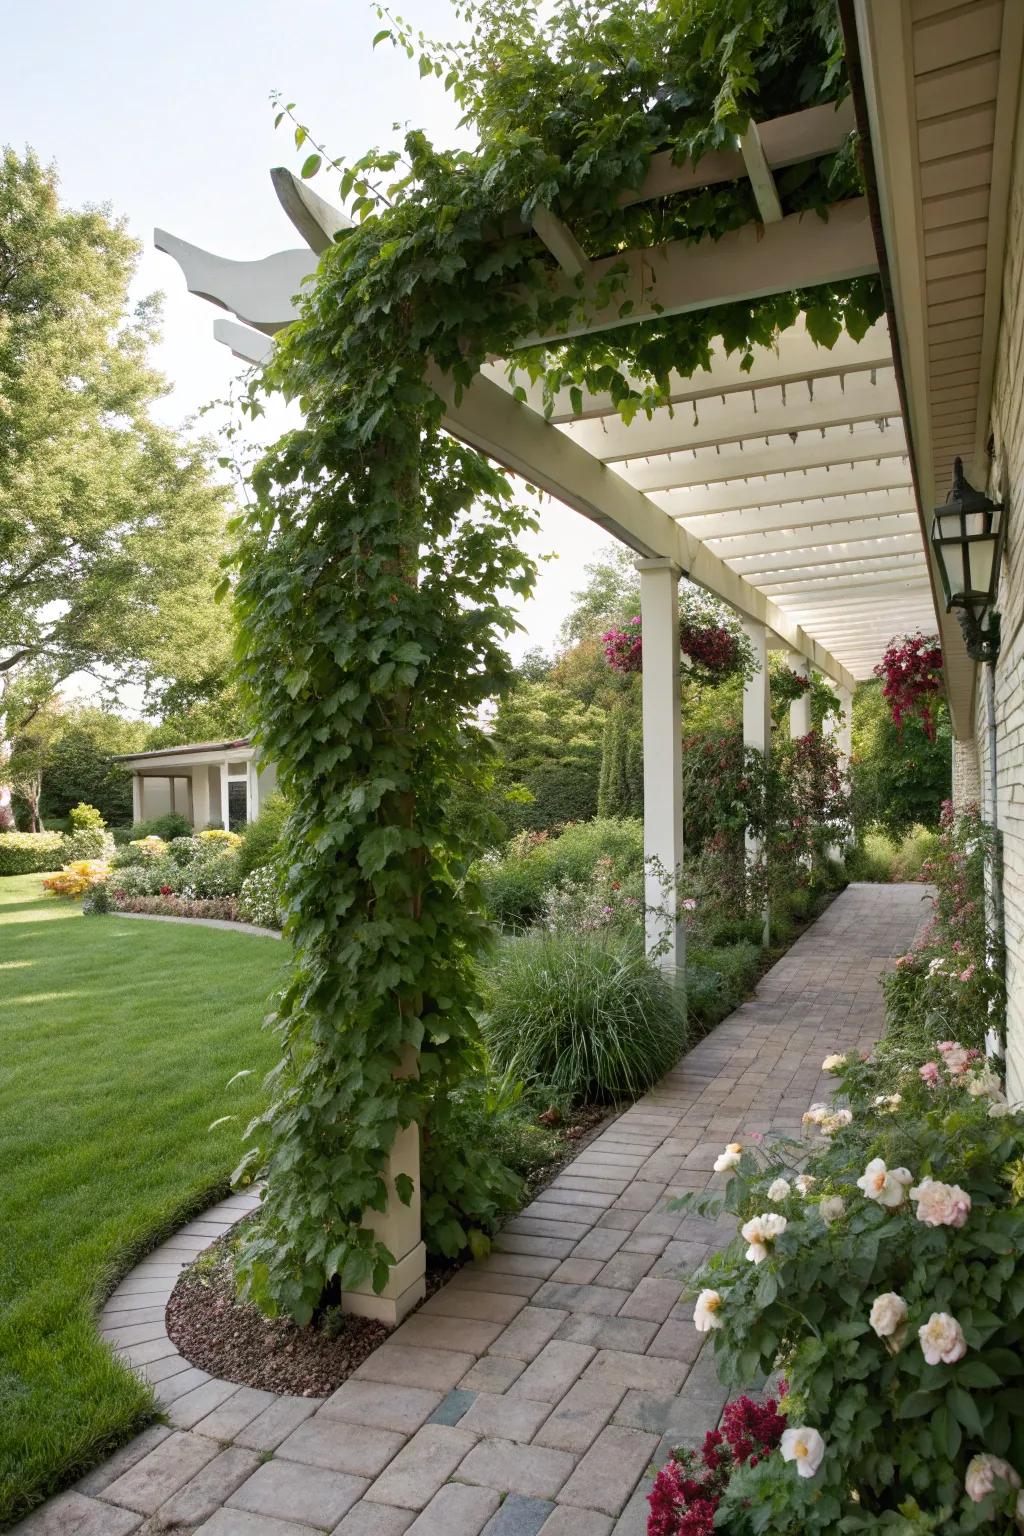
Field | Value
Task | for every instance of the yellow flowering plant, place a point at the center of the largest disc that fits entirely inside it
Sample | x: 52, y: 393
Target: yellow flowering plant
x: 77, y: 877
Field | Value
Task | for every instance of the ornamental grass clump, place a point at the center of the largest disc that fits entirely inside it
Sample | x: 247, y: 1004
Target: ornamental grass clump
x: 879, y: 1269
x: 587, y: 1014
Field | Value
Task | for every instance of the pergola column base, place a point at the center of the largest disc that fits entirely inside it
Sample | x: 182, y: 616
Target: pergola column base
x: 406, y: 1288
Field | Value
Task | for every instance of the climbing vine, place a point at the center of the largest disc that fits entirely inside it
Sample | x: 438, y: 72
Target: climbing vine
x: 379, y: 558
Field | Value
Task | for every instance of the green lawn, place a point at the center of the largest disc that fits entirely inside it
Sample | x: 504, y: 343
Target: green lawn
x: 117, y: 1040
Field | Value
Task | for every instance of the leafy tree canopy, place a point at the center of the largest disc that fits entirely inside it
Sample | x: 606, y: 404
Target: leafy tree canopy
x: 111, y: 529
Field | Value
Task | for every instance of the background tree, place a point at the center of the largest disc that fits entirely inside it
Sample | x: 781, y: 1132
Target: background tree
x: 79, y: 763
x: 111, y: 528
x: 900, y: 777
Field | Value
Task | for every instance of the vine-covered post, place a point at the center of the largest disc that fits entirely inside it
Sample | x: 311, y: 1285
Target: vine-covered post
x: 840, y: 729
x: 663, y: 762
x: 757, y: 734
x: 799, y: 709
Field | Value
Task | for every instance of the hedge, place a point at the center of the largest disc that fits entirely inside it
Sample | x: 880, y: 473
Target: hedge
x: 30, y: 853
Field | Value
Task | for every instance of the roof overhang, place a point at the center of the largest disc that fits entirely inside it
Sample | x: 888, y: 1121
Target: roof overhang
x: 942, y: 85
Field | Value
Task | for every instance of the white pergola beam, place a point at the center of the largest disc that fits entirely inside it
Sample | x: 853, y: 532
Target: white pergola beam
x: 759, y: 460
x: 561, y: 242
x: 756, y: 566
x: 786, y: 141
x: 761, y: 179
x: 794, y: 359
x: 261, y: 293
x: 762, y: 412
x: 789, y: 518
x: 779, y: 493
x: 801, y: 251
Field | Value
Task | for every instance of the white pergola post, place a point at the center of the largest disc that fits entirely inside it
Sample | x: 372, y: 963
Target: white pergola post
x: 799, y: 709
x: 398, y: 1227
x: 757, y: 727
x: 200, y: 797
x: 137, y: 797
x: 663, y: 761
x: 840, y: 729
x: 224, y: 796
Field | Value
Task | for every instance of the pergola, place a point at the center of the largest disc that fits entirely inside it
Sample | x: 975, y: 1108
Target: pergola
x: 785, y: 490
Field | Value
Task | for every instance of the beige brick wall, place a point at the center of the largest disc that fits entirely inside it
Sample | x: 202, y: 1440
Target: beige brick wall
x: 1007, y: 483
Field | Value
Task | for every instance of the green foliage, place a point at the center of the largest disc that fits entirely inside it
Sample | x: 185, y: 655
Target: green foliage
x: 88, y: 843
x: 111, y: 527
x: 947, y: 987
x: 515, y: 883
x: 259, y: 897
x: 620, y: 790
x: 172, y: 824
x: 79, y: 766
x: 82, y: 817
x: 550, y: 747
x: 262, y: 838
x: 718, y: 978
x: 588, y: 1014
x: 900, y: 777
x: 900, y: 1431
x: 375, y: 558
x: 30, y: 853
x: 876, y: 857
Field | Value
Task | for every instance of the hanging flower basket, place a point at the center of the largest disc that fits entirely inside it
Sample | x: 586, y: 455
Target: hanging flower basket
x: 788, y: 686
x: 911, y: 673
x: 715, y: 650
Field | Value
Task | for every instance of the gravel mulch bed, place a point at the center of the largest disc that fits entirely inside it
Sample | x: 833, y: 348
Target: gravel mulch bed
x: 232, y: 1339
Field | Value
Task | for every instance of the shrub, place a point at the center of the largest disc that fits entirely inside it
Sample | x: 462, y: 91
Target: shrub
x: 77, y: 878
x: 589, y: 1015
x: 261, y: 840
x: 467, y: 1185
x: 93, y: 842
x: 219, y: 837
x: 30, y: 853
x: 165, y: 827
x: 516, y: 881
x: 718, y: 978
x: 97, y: 901
x: 888, y: 1290
x: 213, y: 874
x: 259, y: 898
x: 172, y: 905
x: 184, y: 849
x: 82, y: 818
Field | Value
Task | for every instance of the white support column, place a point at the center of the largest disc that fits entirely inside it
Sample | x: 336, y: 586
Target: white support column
x: 398, y: 1227
x: 137, y: 815
x: 757, y: 725
x: 799, y: 709
x: 841, y: 731
x: 200, y: 796
x: 224, y: 796
x: 663, y: 760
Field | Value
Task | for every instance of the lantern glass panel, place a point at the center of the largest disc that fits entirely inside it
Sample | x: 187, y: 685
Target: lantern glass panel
x: 980, y: 556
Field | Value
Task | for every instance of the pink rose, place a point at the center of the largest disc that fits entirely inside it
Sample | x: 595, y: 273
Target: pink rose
x: 967, y: 973
x: 929, y: 1073
x: 941, y: 1205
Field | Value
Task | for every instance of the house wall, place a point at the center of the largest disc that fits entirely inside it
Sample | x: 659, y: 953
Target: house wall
x: 1007, y: 484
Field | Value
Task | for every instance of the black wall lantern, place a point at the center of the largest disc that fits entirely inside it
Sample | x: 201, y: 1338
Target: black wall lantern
x: 967, y: 536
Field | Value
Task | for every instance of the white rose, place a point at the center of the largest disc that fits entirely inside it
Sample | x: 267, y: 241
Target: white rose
x: 985, y: 1085
x: 983, y: 1472
x: 889, y: 1101
x: 942, y: 1339
x: 759, y: 1231
x: 804, y: 1446
x: 886, y: 1185
x: 730, y: 1158
x: 833, y: 1123
x: 805, y: 1182
x: 834, y: 1062
x: 778, y: 1189
x: 941, y: 1205
x: 705, y: 1313
x: 816, y: 1114
x: 832, y: 1208
x: 888, y: 1314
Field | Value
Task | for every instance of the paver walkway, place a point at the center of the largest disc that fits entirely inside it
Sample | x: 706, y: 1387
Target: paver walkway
x: 535, y: 1391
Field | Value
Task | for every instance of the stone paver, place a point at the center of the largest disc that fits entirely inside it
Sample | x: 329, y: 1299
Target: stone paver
x: 531, y: 1395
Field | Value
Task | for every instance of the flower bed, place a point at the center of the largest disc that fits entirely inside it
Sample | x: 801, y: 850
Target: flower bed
x: 879, y: 1270
x: 170, y: 905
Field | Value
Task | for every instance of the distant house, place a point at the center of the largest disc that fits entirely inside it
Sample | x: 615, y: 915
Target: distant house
x: 211, y: 783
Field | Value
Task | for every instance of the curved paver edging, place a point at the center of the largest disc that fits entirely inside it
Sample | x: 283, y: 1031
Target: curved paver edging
x: 202, y: 922
x: 531, y: 1395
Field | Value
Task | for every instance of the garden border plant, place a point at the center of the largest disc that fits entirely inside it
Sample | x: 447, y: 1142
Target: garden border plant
x: 374, y: 559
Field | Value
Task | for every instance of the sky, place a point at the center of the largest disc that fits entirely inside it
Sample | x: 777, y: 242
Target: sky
x: 161, y: 110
